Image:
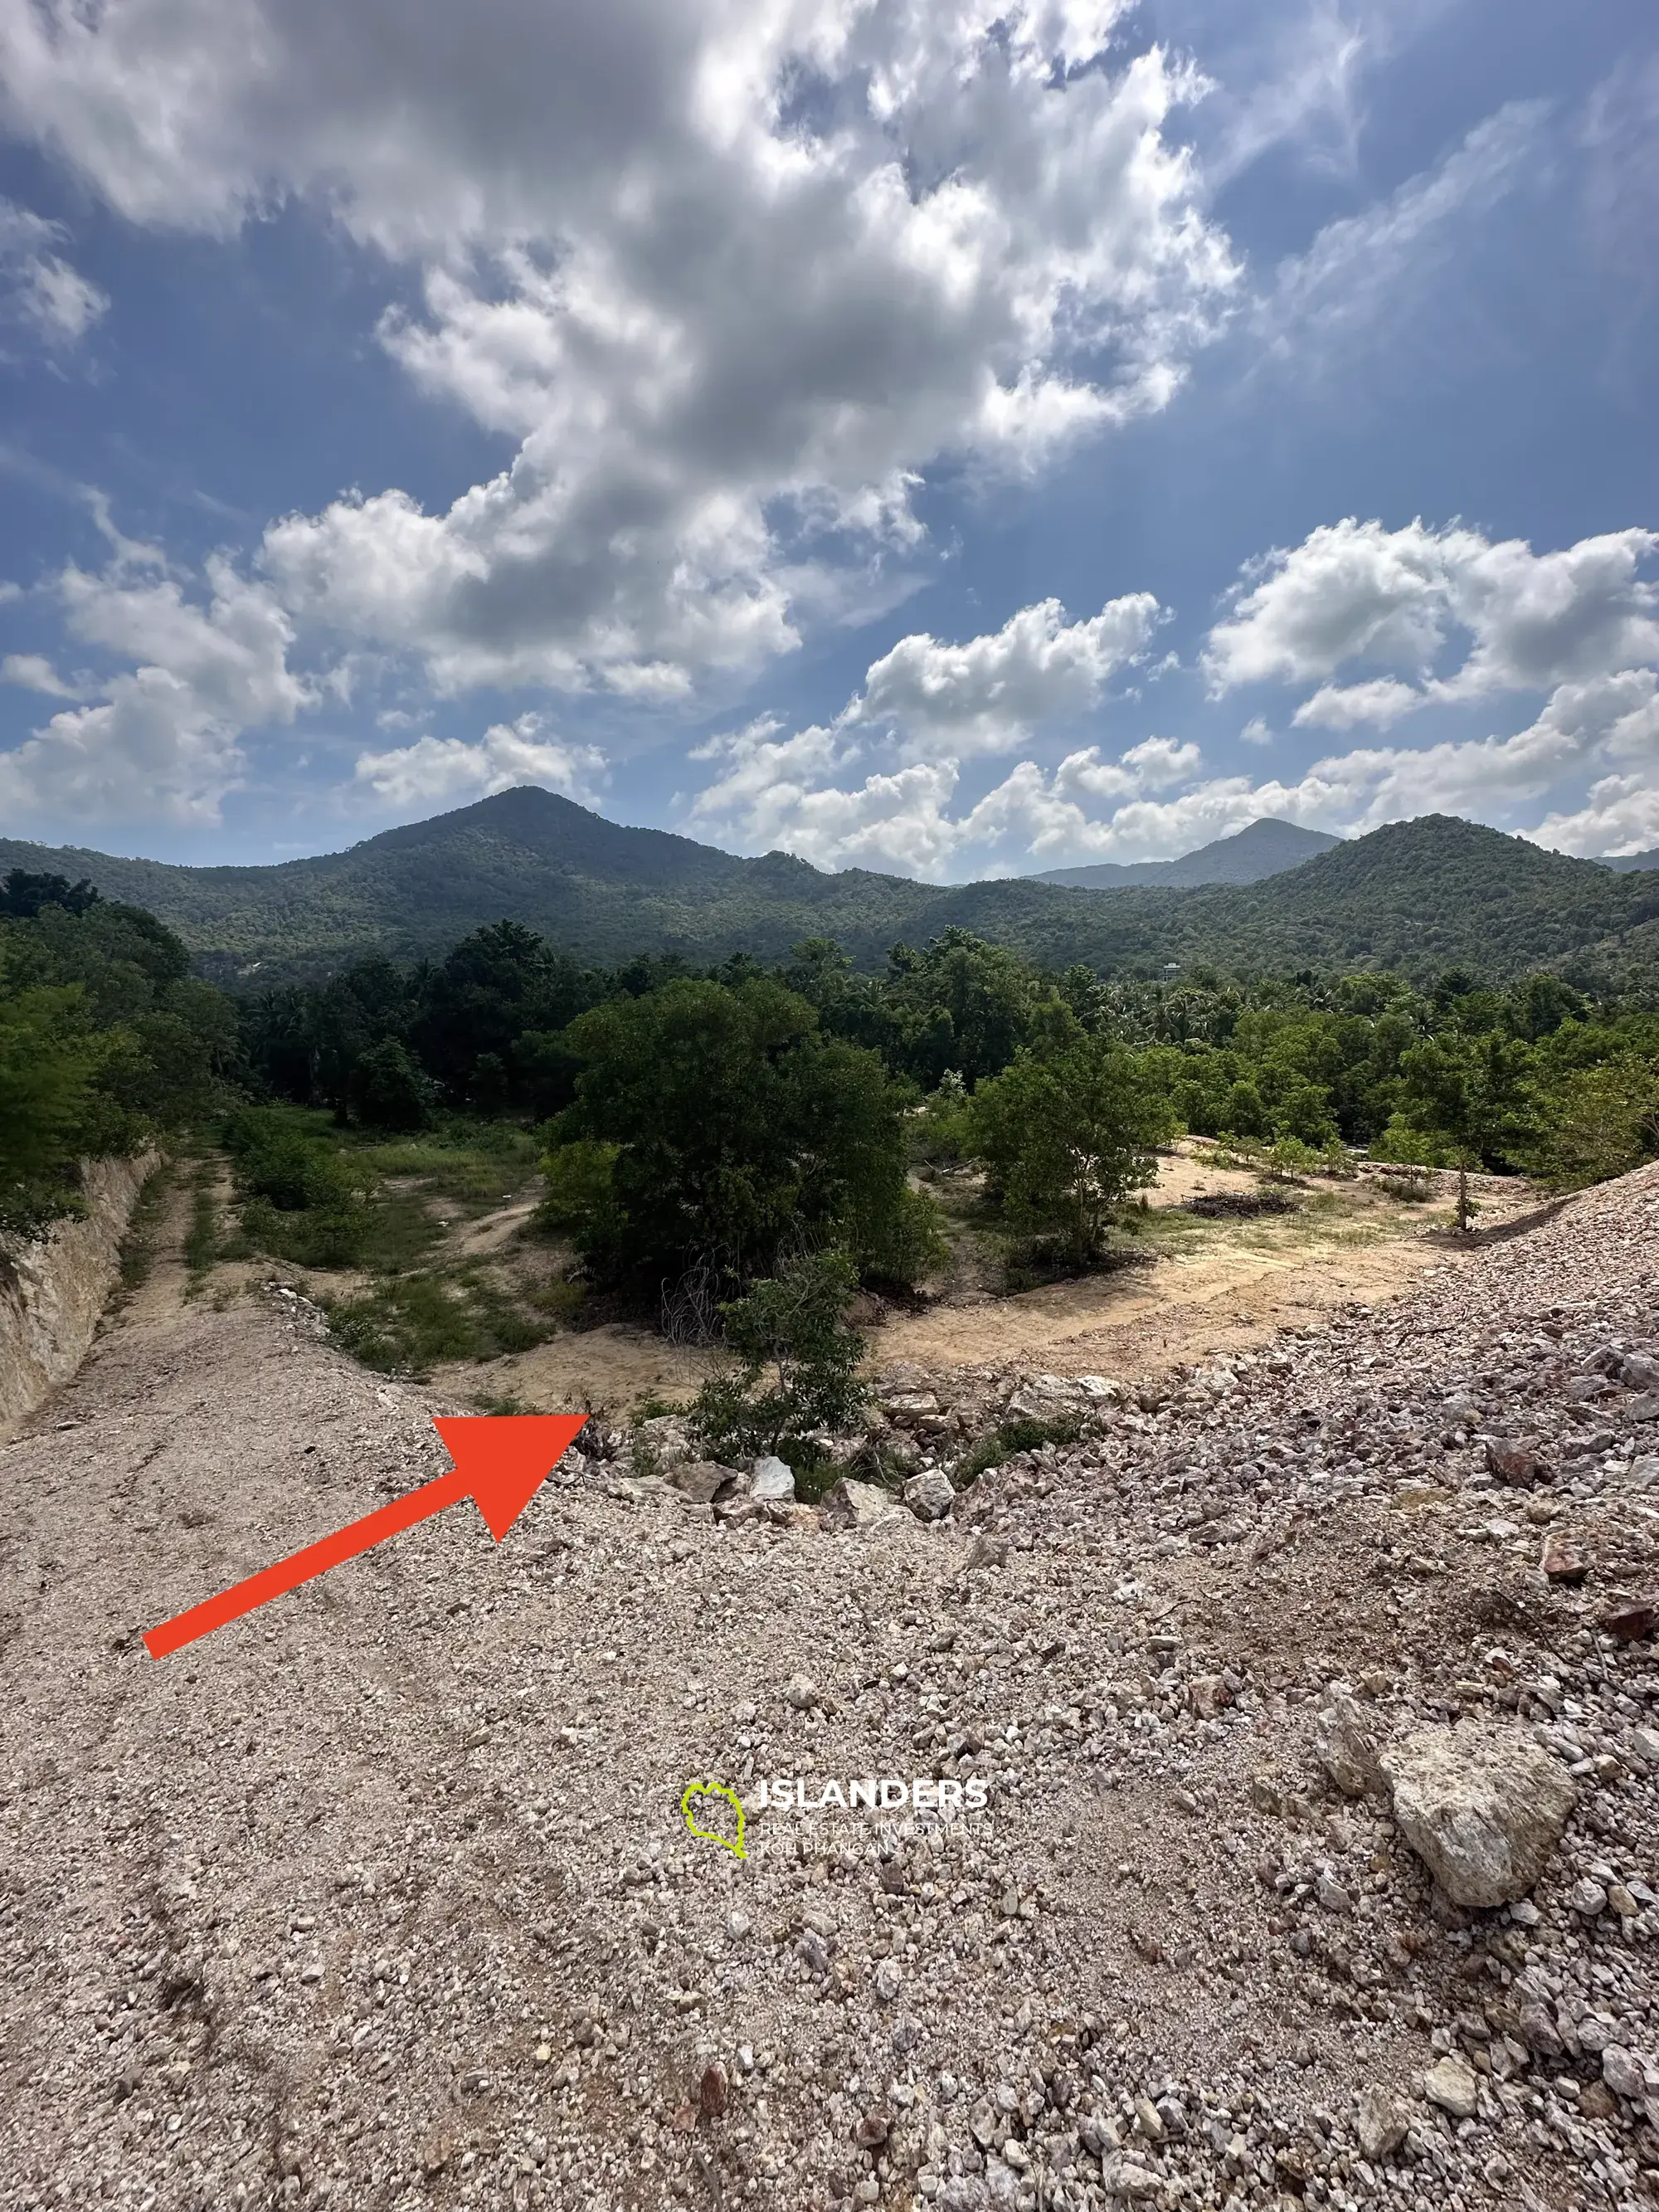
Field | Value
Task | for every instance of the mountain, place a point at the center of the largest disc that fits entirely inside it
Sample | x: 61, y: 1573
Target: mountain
x: 1628, y: 861
x: 1266, y: 848
x: 1417, y: 897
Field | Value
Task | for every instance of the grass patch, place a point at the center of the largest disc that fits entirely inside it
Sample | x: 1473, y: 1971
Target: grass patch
x: 409, y: 1324
x: 138, y: 1254
x: 1017, y: 1436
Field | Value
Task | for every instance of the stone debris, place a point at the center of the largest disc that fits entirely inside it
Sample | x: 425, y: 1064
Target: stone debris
x: 1316, y: 1863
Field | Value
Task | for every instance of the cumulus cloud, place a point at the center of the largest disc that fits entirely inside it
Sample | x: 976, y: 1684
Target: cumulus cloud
x: 990, y: 694
x: 435, y: 771
x: 163, y: 738
x: 1357, y: 591
x: 730, y: 275
x: 798, y: 791
x: 34, y: 673
x: 1344, y: 706
x: 775, y: 792
x: 38, y: 287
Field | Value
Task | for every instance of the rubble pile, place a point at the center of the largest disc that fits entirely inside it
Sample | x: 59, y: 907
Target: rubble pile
x: 1313, y: 1696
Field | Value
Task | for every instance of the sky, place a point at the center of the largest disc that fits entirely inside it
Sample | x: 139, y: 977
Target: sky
x: 953, y: 438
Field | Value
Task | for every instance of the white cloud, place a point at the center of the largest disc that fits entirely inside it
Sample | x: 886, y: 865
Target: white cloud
x: 34, y: 673
x: 1344, y: 706
x: 785, y: 791
x: 731, y: 276
x: 163, y: 741
x: 990, y: 695
x: 1256, y: 731
x: 37, y: 285
x: 434, y: 771
x: 1355, y: 591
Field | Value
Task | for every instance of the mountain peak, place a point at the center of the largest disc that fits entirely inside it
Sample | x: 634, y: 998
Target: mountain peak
x: 1266, y: 847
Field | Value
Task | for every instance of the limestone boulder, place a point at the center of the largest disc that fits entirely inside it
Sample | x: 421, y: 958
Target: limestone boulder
x: 1483, y: 1805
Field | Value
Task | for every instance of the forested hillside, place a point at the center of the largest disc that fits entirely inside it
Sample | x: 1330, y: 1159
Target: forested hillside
x: 1417, y: 897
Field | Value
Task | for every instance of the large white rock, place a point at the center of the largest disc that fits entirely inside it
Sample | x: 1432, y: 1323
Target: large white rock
x: 773, y: 1481
x: 849, y: 1504
x: 1482, y: 1806
x: 930, y: 1495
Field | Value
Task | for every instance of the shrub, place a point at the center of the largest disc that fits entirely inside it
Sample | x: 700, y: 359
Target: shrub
x: 797, y: 1361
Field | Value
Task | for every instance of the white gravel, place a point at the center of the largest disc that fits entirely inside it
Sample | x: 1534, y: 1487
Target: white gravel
x: 382, y: 1897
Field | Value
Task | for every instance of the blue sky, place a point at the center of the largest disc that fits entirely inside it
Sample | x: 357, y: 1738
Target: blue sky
x: 943, y: 439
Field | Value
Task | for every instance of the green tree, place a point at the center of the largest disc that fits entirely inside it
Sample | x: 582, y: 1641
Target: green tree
x: 49, y: 1061
x: 738, y: 1128
x: 1472, y: 1092
x: 1068, y: 1135
x: 387, y: 1091
x: 1594, y: 1122
x: 797, y: 1360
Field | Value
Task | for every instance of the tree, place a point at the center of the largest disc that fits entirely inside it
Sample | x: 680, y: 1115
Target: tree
x: 1597, y: 1122
x: 387, y: 1091
x: 739, y: 1129
x: 48, y: 1062
x: 798, y: 1360
x: 1066, y: 1137
x: 23, y: 896
x: 1470, y: 1091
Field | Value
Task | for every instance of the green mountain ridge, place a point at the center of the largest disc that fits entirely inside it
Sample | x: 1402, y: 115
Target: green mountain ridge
x: 1417, y: 897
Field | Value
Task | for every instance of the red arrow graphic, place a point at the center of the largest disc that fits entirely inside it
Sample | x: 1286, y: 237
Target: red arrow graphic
x: 500, y: 1460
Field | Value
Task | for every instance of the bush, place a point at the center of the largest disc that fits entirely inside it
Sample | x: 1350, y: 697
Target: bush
x: 797, y: 1358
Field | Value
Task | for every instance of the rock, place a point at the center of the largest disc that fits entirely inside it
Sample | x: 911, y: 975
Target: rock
x: 1562, y: 1560
x: 911, y: 1406
x: 1451, y: 2085
x: 1208, y: 1694
x: 850, y: 1505
x: 930, y: 1495
x: 1482, y: 1806
x: 1122, y: 2177
x: 1632, y: 1617
x: 1514, y: 1464
x: 1344, y: 1743
x: 772, y: 1482
x: 712, y: 2093
x: 890, y: 1980
x: 801, y: 1693
x: 986, y: 1551
x: 704, y: 1480
x: 1587, y: 1899
x: 1381, y: 2123
x: 1627, y: 2075
x: 662, y: 1444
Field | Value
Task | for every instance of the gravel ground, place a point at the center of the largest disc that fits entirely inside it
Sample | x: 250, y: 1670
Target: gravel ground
x: 382, y: 1897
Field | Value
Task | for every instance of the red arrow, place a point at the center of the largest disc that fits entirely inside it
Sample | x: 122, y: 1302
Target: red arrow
x: 500, y: 1460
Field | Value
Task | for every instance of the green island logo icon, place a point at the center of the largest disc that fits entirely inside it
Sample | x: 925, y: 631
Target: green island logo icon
x: 710, y: 1835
